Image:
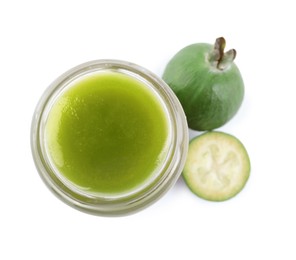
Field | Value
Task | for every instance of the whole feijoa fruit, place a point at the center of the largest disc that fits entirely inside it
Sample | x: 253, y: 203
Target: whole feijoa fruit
x: 207, y: 82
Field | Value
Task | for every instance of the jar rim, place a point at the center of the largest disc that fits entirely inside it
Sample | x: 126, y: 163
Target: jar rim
x: 123, y: 205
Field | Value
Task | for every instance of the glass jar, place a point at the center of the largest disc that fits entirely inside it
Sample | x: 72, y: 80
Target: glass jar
x: 100, y: 203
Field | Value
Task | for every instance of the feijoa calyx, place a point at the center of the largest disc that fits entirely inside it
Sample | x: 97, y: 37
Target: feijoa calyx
x: 207, y: 82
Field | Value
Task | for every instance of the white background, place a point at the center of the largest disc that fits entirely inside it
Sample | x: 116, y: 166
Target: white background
x: 42, y: 39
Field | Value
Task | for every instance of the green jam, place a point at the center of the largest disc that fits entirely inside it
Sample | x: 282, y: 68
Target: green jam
x: 107, y: 133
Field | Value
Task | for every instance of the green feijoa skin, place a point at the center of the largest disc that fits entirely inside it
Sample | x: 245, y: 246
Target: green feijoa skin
x: 217, y: 166
x: 207, y: 82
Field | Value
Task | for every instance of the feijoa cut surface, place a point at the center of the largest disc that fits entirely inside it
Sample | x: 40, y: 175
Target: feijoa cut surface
x: 217, y: 166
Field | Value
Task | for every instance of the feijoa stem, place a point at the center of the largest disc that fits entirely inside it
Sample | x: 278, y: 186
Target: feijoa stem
x: 220, y: 59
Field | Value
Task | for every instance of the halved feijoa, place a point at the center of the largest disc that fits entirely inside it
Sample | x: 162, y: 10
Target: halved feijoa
x: 217, y: 166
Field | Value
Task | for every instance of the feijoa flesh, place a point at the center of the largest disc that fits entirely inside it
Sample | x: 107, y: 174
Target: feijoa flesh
x: 217, y: 166
x: 207, y: 82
